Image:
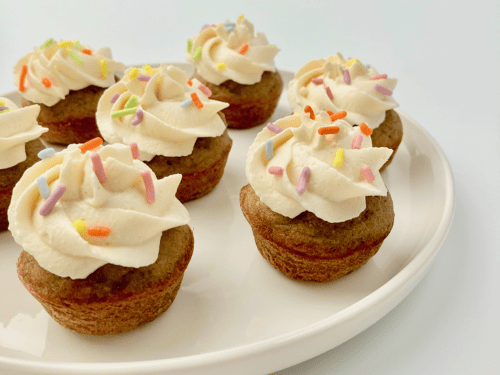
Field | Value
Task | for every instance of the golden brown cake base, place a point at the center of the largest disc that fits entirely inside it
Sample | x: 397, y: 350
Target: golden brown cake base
x: 308, y: 248
x: 10, y: 176
x: 249, y: 105
x: 389, y: 134
x: 112, y: 299
x: 201, y: 171
x: 71, y: 120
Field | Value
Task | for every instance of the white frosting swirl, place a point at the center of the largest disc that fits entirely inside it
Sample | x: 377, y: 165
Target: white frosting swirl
x: 64, y: 72
x: 17, y: 127
x: 334, y: 194
x: 166, y: 128
x: 218, y: 45
x: 119, y: 203
x: 359, y: 98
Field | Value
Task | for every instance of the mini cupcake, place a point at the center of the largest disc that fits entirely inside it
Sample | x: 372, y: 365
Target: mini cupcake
x: 316, y: 202
x: 105, y: 243
x: 238, y: 67
x: 172, y: 122
x: 66, y: 79
x: 19, y: 147
x: 365, y: 96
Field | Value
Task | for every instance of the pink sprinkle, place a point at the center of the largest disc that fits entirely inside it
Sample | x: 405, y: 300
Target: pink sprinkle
x: 317, y: 81
x: 150, y: 189
x: 303, y: 180
x: 135, y: 150
x: 115, y: 97
x: 329, y: 92
x: 278, y: 171
x: 204, y: 89
x: 52, y: 200
x: 143, y: 77
x: 382, y: 90
x: 138, y: 117
x: 347, y: 77
x: 378, y: 76
x: 3, y: 108
x: 356, y: 142
x: 98, y: 167
x: 274, y: 128
x: 368, y: 173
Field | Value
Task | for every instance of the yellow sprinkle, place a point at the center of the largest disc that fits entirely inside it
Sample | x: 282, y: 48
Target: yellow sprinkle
x: 80, y: 226
x: 351, y: 61
x: 2, y: 102
x: 339, y: 158
x: 76, y: 41
x: 148, y: 69
x: 65, y: 44
x: 103, y: 67
x: 134, y: 73
x: 242, y: 16
x: 221, y: 66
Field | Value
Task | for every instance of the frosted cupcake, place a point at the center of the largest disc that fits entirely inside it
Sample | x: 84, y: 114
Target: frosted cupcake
x: 105, y: 243
x: 66, y: 79
x: 316, y: 202
x: 19, y: 147
x: 359, y: 92
x: 174, y: 124
x: 238, y: 67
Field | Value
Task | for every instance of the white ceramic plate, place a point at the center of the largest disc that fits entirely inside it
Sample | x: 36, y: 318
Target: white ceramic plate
x: 235, y: 314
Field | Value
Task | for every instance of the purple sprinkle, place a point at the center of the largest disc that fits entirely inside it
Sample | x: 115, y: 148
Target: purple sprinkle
x: 3, y: 108
x: 347, y: 77
x: 52, y: 200
x: 143, y: 77
x: 381, y: 89
x: 115, y: 97
x: 303, y: 180
x: 138, y: 117
x: 317, y: 81
x: 274, y: 128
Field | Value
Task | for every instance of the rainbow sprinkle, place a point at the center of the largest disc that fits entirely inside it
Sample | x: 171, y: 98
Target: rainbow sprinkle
x: 144, y: 78
x: 308, y: 109
x: 329, y: 92
x: 135, y: 150
x: 190, y: 46
x: 138, y: 117
x: 347, y: 77
x: 77, y: 45
x: 90, y: 145
x: 378, y: 76
x: 204, y: 89
x: 365, y: 129
x: 52, y: 200
x: 221, y: 66
x: 367, y: 172
x: 133, y: 74
x: 123, y: 112
x: 103, y: 68
x: 87, y: 52
x: 43, y: 187
x: 269, y: 149
x: 114, y: 98
x: 274, y: 128
x: 47, y: 153
x: 339, y: 158
x: 98, y: 231
x: 197, y: 53
x: 186, y: 103
x: 148, y: 183
x: 148, y: 69
x: 243, y: 49
x: 317, y: 81
x: 328, y: 130
x: 80, y: 226
x: 381, y: 89
x: 75, y: 57
x: 65, y: 44
x: 48, y: 43
x: 303, y: 180
x: 189, y: 82
x: 277, y: 171
x: 132, y: 102
x: 47, y: 82
x: 338, y: 116
x: 2, y: 102
x: 197, y: 102
x: 352, y: 61
x: 3, y: 108
x: 98, y: 167
x: 356, y: 142
x: 22, y: 78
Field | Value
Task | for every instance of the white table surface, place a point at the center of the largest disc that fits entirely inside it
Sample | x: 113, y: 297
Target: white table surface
x: 447, y: 59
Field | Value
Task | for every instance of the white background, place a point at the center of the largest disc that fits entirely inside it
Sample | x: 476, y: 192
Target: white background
x: 446, y: 56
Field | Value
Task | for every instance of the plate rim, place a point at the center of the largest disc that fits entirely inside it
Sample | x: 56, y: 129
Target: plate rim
x: 406, y: 278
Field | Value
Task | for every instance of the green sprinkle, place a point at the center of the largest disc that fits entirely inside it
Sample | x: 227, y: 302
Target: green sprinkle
x: 77, y: 46
x: 6, y: 110
x: 123, y: 112
x: 190, y: 45
x: 49, y: 42
x: 197, y: 53
x: 75, y: 57
x: 132, y: 102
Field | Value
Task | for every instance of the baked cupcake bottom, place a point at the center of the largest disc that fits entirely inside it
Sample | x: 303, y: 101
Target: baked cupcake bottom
x: 388, y: 134
x: 249, y: 105
x: 311, y: 249
x: 112, y: 299
x: 201, y: 170
x: 72, y: 119
x: 10, y: 176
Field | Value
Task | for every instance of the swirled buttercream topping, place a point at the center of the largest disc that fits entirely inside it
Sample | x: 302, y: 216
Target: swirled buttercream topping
x: 159, y: 111
x: 337, y: 85
x: 85, y: 223
x: 17, y: 127
x: 308, y: 171
x: 228, y: 51
x: 47, y: 74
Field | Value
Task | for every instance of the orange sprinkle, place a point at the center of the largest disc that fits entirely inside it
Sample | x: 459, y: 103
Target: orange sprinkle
x: 197, y: 102
x: 90, y: 145
x: 46, y: 82
x: 189, y: 82
x: 98, y: 231
x: 365, y: 129
x: 87, y: 51
x: 338, y: 116
x: 22, y: 78
x: 329, y: 112
x: 243, y: 49
x: 308, y: 109
x: 328, y: 130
